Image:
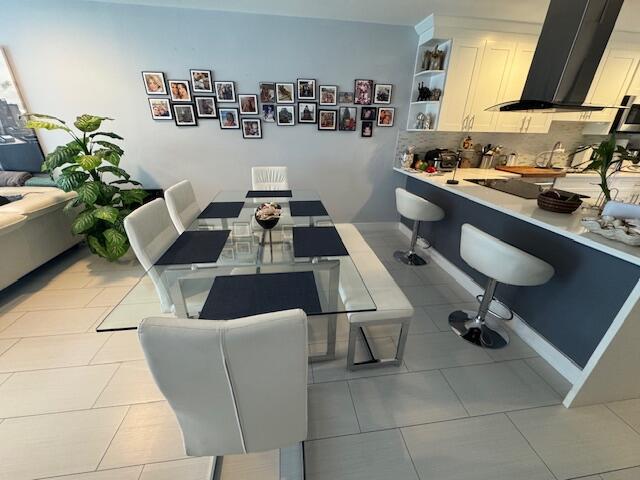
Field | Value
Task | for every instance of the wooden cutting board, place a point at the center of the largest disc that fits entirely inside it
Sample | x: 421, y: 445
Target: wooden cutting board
x: 533, y: 171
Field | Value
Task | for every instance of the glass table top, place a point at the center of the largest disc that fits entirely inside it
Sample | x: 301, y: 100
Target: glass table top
x: 181, y: 290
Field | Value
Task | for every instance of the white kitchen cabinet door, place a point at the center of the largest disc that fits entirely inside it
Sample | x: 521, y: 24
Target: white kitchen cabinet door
x: 490, y: 85
x: 634, y: 88
x: 462, y: 74
x: 515, y: 121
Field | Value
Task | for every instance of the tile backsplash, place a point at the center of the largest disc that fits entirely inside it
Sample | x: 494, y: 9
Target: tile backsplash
x: 526, y: 145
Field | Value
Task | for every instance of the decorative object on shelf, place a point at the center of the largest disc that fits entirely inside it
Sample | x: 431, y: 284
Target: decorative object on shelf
x: 345, y: 97
x: 248, y: 104
x: 366, y: 129
x: 180, y: 91
x: 251, y: 128
x: 382, y: 93
x: 327, y: 119
x: 363, y: 91
x: 225, y: 92
x: 559, y: 201
x: 268, y: 113
x: 154, y: 83
x: 268, y: 214
x: 185, y: 116
x: 436, y: 60
x: 347, y: 119
x: 228, y: 118
x: 206, y: 107
x: 436, y: 93
x: 285, y: 93
x: 201, y: 81
x: 307, y: 112
x: 385, y: 116
x: 408, y: 156
x: 467, y: 143
x: 613, y: 229
x: 424, y: 94
x: 160, y: 109
x: 306, y: 89
x: 423, y: 121
x: 84, y: 161
x: 267, y: 92
x: 286, y: 115
x: 328, y: 95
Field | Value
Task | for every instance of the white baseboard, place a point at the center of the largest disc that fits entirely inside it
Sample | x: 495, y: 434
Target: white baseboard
x: 546, y: 350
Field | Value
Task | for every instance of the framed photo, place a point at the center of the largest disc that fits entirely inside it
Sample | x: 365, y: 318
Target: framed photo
x: 185, y: 116
x: 363, y: 91
x: 385, y: 116
x: 345, y: 97
x: 286, y: 115
x: 160, y: 109
x: 228, y: 118
x: 225, y: 92
x: 307, y: 112
x: 306, y: 89
x: 268, y: 112
x: 368, y: 113
x: 251, y: 128
x: 267, y: 92
x: 366, y: 129
x: 180, y: 91
x: 248, y: 104
x: 382, y: 93
x: 284, y: 93
x: 154, y: 83
x: 201, y: 81
x: 327, y: 119
x: 347, y: 119
x: 206, y: 107
x: 328, y: 95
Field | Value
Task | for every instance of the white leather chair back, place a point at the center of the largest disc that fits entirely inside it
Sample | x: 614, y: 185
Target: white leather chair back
x: 501, y: 261
x: 417, y: 208
x: 269, y: 178
x: 182, y: 205
x: 236, y: 386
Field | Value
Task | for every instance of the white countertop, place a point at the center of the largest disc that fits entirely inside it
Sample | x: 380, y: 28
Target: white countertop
x: 567, y: 225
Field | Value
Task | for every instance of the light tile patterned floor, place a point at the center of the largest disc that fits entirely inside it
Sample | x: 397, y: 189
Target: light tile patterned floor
x: 80, y: 405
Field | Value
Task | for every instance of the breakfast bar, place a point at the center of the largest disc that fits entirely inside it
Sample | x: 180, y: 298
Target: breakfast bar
x: 585, y: 320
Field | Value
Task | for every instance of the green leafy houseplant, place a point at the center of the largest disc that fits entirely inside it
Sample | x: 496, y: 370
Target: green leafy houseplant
x: 84, y: 162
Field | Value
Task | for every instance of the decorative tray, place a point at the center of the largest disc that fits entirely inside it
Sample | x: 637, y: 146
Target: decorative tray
x: 613, y: 229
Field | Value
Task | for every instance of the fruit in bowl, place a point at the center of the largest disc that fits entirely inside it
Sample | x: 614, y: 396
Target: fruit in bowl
x: 268, y: 214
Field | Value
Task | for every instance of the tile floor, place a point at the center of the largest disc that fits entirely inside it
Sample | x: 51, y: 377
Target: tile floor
x: 81, y: 405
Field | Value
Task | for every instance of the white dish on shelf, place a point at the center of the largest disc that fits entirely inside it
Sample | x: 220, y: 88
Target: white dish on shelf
x: 593, y: 224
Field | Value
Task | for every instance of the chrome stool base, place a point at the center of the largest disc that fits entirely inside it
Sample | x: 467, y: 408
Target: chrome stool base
x: 409, y: 258
x: 476, y: 331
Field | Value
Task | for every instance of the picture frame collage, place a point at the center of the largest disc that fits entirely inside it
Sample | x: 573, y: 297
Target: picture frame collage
x: 283, y: 103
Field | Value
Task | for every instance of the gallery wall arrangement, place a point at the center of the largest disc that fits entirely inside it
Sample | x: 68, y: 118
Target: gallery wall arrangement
x: 285, y: 104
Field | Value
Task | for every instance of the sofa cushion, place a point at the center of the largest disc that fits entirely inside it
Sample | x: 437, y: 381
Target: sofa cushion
x: 36, y: 204
x: 24, y: 190
x: 10, y: 221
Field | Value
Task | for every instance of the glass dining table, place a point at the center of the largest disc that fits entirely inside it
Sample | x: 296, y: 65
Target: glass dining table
x: 183, y: 290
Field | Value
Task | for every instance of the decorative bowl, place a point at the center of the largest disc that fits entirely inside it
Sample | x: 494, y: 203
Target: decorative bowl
x: 268, y: 214
x: 607, y: 229
x: 559, y: 201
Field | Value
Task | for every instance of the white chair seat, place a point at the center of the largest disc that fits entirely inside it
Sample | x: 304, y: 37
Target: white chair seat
x: 417, y: 208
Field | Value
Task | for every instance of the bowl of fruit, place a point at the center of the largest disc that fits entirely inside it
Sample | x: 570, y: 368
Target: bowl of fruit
x: 268, y: 214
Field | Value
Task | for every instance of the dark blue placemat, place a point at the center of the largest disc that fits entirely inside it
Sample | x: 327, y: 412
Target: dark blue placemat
x: 195, y: 247
x: 317, y: 242
x: 307, y: 208
x: 235, y: 296
x: 222, y: 210
x: 268, y: 193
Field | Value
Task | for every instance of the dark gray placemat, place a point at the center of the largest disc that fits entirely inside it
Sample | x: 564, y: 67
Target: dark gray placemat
x: 222, y: 210
x: 307, y: 208
x: 269, y: 193
x: 317, y: 242
x: 195, y: 247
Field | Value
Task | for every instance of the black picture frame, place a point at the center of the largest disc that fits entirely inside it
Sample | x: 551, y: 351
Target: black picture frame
x: 221, y: 95
x: 366, y: 124
x: 176, y: 99
x: 248, y: 120
x: 362, y: 91
x: 372, y: 114
x: 280, y: 97
x: 176, y: 115
x: 222, y: 113
x: 196, y: 88
x: 163, y: 83
x: 303, y: 83
x: 164, y: 101
x: 321, y: 100
x: 255, y: 110
x: 314, y: 110
x: 267, y: 92
x: 280, y: 108
x: 393, y: 117
x: 376, y: 94
x: 265, y: 109
x: 322, y: 127
x: 199, y: 107
x: 353, y: 117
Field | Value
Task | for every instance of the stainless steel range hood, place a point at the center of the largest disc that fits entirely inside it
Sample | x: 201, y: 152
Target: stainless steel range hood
x: 574, y: 36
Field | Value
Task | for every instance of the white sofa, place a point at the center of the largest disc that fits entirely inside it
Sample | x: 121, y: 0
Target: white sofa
x: 33, y: 230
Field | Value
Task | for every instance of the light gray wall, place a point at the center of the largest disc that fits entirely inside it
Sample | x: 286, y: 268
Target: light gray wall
x: 74, y: 57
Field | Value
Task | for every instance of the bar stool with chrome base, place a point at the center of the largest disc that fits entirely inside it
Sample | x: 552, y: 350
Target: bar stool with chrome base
x: 419, y: 210
x: 502, y: 263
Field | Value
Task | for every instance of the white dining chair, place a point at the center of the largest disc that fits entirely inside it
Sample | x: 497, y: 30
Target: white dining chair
x: 182, y: 205
x: 236, y: 386
x: 269, y: 178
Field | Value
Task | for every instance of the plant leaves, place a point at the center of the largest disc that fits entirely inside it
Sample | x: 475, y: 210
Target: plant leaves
x: 61, y: 155
x: 96, y: 246
x: 114, y: 237
x: 120, y: 182
x: 106, y: 213
x: 115, y: 170
x: 42, y: 115
x: 89, y: 123
x: 108, y: 156
x: 133, y: 196
x: 83, y: 222
x: 89, y: 162
x: 88, y: 192
x: 35, y: 124
x: 71, y: 180
x: 106, y: 134
x: 111, y: 146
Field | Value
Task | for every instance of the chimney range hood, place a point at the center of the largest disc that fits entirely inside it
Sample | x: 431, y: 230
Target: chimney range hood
x: 573, y: 39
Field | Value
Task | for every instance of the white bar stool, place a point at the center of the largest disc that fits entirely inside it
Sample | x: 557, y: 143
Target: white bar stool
x: 502, y: 263
x: 419, y: 210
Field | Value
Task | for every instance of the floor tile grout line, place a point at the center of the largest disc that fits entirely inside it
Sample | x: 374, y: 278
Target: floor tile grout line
x: 93, y: 405
x: 353, y: 403
x: 89, y: 472
x: 21, y: 314
x: 74, y: 366
x: 81, y: 332
x: 606, y: 405
x: 9, y: 375
x: 404, y: 441
x: 115, y: 434
x: 454, y: 392
x: 108, y: 335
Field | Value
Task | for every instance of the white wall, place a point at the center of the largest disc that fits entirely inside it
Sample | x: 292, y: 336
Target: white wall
x: 74, y: 57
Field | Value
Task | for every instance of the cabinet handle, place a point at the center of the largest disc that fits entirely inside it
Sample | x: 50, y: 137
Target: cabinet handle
x: 473, y: 120
x: 522, y: 124
x: 528, y: 123
x: 464, y: 123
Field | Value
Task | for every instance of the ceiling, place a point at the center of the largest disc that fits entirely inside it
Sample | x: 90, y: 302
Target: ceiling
x: 394, y: 12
